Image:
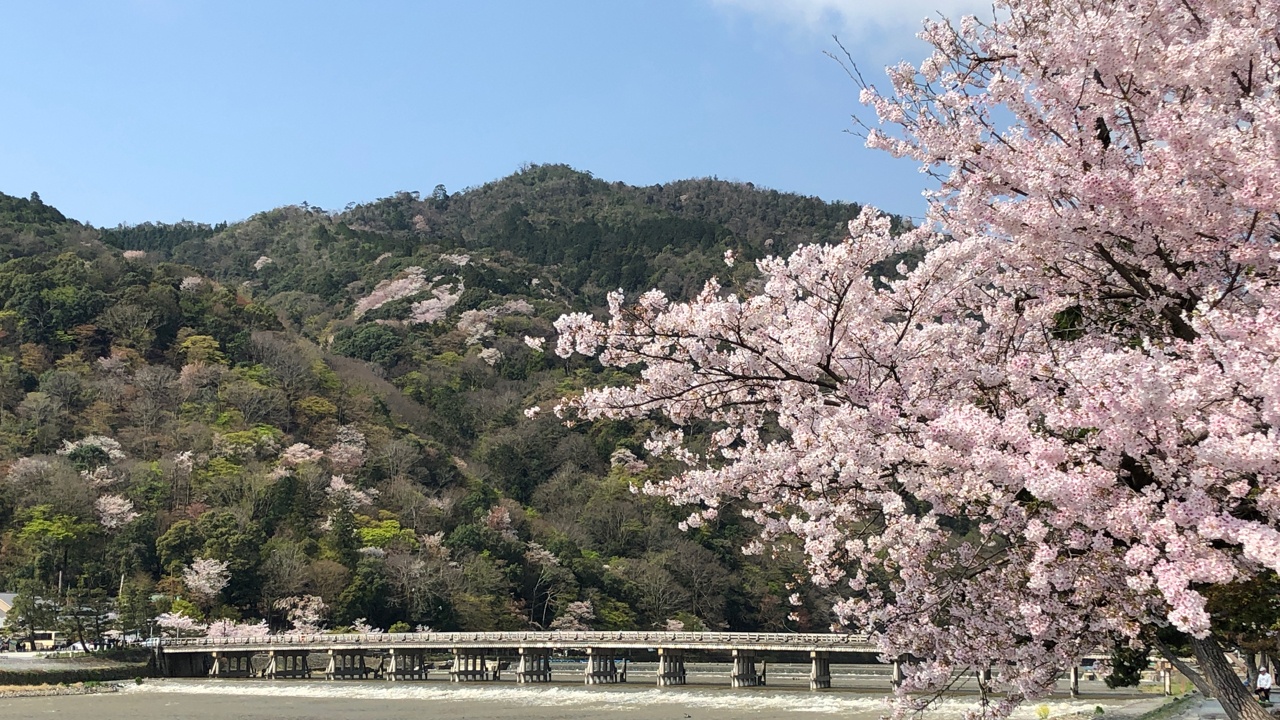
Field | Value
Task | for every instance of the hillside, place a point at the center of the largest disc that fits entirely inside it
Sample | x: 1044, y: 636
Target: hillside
x: 331, y: 405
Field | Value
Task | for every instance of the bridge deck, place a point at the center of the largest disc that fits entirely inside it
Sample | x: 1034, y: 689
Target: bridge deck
x: 553, y: 640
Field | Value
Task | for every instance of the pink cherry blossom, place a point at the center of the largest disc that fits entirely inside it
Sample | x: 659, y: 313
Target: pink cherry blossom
x: 233, y: 629
x: 1062, y: 423
x: 577, y: 616
x: 299, y: 453
x: 114, y: 511
x: 347, y: 495
x: 411, y: 282
x: 206, y: 577
x: 179, y: 624
x: 305, y: 613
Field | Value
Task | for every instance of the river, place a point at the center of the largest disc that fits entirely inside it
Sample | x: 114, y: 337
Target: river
x: 859, y: 694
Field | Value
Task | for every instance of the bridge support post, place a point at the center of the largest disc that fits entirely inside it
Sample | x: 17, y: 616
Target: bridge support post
x: 895, y: 675
x: 1075, y: 680
x: 602, y: 668
x: 671, y: 668
x: 468, y: 665
x: 405, y: 665
x: 534, y: 666
x: 820, y: 674
x: 345, y: 665
x: 287, y: 664
x: 231, y: 664
x: 744, y: 670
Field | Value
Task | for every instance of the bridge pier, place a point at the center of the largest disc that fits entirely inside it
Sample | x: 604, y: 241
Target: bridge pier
x: 405, y: 665
x: 602, y: 668
x: 346, y: 665
x: 185, y: 664
x: 671, y: 668
x: 895, y: 675
x: 820, y: 674
x: 287, y: 664
x: 470, y: 665
x: 534, y: 667
x: 744, y: 670
x: 231, y: 664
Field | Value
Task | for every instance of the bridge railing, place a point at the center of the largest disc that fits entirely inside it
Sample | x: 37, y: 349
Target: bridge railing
x: 637, y: 638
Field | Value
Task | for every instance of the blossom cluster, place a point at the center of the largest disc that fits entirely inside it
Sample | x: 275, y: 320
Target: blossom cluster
x: 1063, y: 423
x: 347, y: 495
x: 206, y: 577
x: 498, y: 519
x: 577, y: 616
x: 347, y: 453
x: 109, y: 447
x: 436, y: 307
x: 114, y: 511
x: 411, y: 282
x: 305, y: 613
x: 299, y: 453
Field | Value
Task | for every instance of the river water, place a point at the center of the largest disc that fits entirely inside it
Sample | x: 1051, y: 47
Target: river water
x: 859, y: 693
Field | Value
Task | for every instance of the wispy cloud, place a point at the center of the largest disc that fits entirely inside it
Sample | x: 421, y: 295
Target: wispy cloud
x: 857, y: 18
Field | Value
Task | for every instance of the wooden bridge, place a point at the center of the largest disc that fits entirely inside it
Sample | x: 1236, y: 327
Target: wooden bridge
x: 478, y: 656
x: 483, y: 656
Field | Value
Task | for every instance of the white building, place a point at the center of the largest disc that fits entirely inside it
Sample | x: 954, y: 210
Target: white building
x: 6, y: 604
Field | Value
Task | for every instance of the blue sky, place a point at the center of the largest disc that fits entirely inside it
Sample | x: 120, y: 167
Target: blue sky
x: 212, y: 110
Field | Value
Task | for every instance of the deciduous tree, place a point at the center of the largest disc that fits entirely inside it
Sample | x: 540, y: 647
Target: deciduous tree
x: 1061, y: 425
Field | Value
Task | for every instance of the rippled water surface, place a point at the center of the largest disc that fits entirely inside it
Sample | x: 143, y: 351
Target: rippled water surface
x: 859, y: 693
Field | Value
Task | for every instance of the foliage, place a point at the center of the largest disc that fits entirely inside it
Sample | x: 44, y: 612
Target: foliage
x: 1058, y: 429
x: 198, y: 438
x: 1127, y: 666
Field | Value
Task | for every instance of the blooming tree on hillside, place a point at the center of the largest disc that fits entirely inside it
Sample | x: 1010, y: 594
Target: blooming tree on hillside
x: 411, y: 282
x: 233, y: 629
x: 304, y: 612
x: 179, y: 625
x: 114, y: 511
x: 206, y: 577
x: 347, y: 453
x: 577, y: 616
x: 1061, y: 425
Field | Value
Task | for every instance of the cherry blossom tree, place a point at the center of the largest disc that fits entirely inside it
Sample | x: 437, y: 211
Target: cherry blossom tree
x: 347, y: 453
x: 411, y: 282
x: 299, y: 453
x: 1060, y: 426
x: 498, y: 519
x: 304, y: 612
x: 577, y: 616
x: 114, y: 511
x: 206, y: 577
x: 233, y: 629
x: 347, y: 495
x: 179, y: 624
x: 434, y: 308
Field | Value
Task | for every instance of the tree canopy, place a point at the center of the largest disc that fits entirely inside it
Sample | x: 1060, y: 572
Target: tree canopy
x: 1060, y: 427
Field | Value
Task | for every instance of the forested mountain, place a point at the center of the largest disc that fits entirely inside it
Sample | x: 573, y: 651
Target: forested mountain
x: 314, y: 416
